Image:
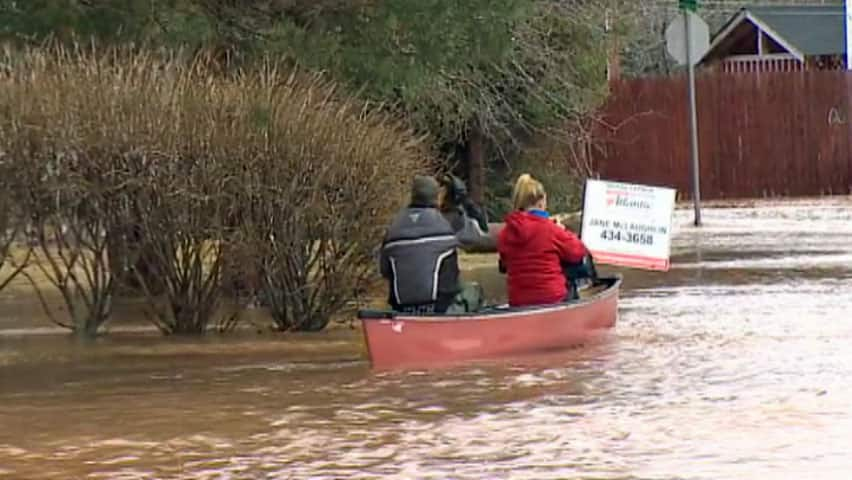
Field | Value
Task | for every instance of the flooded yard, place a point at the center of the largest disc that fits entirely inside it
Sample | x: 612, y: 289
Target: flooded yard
x: 733, y: 365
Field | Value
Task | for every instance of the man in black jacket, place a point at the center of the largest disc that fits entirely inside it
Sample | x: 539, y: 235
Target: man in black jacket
x: 419, y: 255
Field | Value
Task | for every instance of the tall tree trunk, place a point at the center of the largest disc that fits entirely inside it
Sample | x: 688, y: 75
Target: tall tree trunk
x: 613, y: 63
x: 475, y: 163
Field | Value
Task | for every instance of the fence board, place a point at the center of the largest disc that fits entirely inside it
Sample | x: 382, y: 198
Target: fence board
x: 760, y: 134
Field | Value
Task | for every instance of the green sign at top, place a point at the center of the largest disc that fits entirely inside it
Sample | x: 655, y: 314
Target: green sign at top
x: 691, y: 5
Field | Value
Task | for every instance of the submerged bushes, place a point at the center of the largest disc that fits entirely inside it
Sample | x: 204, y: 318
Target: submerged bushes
x: 169, y: 174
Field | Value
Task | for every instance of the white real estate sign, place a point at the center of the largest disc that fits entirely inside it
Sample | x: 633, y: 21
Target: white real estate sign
x: 628, y: 224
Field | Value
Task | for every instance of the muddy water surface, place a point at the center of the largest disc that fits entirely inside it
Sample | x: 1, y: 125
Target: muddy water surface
x: 734, y: 365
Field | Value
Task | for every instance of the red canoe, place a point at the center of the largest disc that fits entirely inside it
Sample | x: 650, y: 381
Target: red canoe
x: 398, y: 340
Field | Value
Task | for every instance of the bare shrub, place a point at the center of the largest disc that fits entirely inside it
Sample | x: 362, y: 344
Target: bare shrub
x: 93, y: 125
x: 73, y: 215
x: 148, y: 159
x: 318, y: 196
x: 63, y: 191
x: 14, y: 253
x: 179, y: 210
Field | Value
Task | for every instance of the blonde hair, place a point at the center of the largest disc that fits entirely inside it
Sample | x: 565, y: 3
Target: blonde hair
x: 527, y: 192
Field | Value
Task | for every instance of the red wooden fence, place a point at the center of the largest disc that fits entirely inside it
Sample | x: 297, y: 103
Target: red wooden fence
x: 761, y: 134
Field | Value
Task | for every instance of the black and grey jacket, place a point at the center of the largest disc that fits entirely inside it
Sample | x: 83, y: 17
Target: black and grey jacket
x: 420, y: 260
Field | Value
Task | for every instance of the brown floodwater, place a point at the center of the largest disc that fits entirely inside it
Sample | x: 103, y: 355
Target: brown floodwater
x: 736, y: 364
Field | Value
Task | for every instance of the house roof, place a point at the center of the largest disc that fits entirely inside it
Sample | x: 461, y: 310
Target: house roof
x: 805, y: 30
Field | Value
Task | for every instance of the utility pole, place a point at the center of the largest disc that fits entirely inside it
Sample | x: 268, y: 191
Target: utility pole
x: 686, y: 7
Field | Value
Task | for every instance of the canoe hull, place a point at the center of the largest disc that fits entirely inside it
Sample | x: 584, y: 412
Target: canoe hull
x: 423, y: 340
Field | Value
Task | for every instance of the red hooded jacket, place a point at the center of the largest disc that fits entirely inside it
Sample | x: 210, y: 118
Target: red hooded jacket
x: 532, y: 249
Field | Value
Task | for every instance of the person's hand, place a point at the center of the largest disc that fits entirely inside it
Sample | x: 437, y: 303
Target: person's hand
x: 457, y: 188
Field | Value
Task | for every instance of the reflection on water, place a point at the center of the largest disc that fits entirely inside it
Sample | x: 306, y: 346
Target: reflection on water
x: 734, y: 365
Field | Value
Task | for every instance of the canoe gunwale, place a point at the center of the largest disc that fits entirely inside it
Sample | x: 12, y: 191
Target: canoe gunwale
x: 497, y: 312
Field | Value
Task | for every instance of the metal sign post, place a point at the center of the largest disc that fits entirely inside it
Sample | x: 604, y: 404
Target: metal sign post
x: 687, y: 39
x: 693, y: 119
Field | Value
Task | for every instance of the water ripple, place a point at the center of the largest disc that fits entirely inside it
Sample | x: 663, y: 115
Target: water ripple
x: 734, y: 365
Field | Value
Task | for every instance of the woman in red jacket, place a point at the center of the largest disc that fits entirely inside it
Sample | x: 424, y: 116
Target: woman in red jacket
x: 533, y: 248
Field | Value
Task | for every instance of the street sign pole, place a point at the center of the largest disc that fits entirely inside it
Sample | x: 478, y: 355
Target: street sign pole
x: 693, y: 118
x: 687, y: 40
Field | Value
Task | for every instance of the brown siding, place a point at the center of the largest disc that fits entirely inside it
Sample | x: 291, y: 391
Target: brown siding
x: 766, y: 134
